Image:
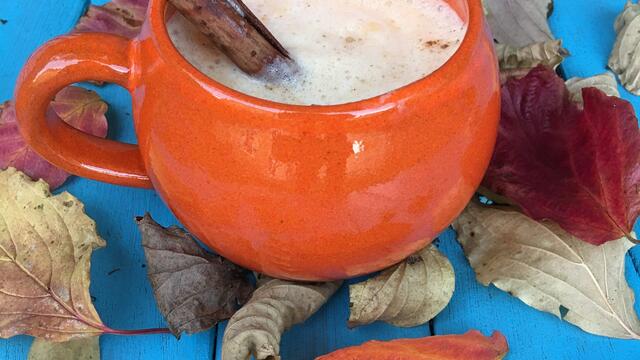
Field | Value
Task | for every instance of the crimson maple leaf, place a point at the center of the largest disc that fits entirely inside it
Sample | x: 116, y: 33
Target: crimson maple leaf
x: 577, y: 167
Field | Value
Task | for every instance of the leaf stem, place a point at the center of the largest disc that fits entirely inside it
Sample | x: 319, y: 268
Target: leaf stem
x: 98, y: 325
x: 631, y: 238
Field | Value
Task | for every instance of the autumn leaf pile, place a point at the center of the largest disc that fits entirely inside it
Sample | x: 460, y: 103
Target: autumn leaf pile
x: 552, y: 227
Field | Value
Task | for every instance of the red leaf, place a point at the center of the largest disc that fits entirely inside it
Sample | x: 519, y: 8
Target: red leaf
x: 472, y: 345
x: 120, y: 17
x: 81, y: 108
x: 576, y: 167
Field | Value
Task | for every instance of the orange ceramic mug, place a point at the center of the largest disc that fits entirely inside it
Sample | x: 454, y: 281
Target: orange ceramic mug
x: 299, y: 192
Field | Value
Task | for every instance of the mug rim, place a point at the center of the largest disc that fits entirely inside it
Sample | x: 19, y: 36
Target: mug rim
x: 385, y: 101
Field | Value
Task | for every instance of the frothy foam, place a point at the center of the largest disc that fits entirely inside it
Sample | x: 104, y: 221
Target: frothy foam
x: 347, y: 50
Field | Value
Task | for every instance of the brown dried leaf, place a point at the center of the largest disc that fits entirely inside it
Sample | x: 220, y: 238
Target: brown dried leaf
x: 275, y: 306
x: 45, y: 252
x: 547, y: 268
x: 605, y: 82
x: 519, y: 23
x: 194, y: 289
x: 625, y: 56
x: 78, y: 349
x: 408, y: 294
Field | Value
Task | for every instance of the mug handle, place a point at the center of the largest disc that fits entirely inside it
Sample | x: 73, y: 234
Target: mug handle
x: 61, y: 62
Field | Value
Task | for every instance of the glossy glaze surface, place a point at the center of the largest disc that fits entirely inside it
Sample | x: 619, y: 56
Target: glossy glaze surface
x: 309, y: 193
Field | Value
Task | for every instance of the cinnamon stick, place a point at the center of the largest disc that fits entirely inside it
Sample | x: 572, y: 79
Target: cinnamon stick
x: 240, y: 35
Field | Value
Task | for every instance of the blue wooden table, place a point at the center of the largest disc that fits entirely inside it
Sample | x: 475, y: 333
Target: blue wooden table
x: 124, y: 298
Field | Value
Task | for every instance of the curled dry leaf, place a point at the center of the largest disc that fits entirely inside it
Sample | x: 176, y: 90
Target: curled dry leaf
x: 45, y: 250
x: 548, y: 268
x: 625, y: 56
x: 518, y: 61
x: 549, y: 53
x: 275, y: 306
x: 577, y: 167
x: 605, y: 82
x: 194, y: 289
x: 472, y: 345
x: 119, y: 17
x: 408, y: 294
x: 523, y: 35
x: 78, y: 349
x: 519, y: 23
x: 80, y: 108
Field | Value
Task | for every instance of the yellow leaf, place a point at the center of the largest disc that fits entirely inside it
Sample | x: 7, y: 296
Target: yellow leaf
x: 45, y: 252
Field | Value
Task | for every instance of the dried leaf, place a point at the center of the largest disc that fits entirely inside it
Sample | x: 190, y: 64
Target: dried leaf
x: 550, y: 54
x: 625, y: 56
x: 194, y: 289
x: 523, y: 35
x: 548, y: 268
x: 605, y: 82
x: 408, y: 294
x: 472, y: 345
x: 78, y: 349
x: 45, y: 252
x: 274, y: 307
x: 517, y: 62
x: 119, y: 17
x: 578, y: 168
x: 80, y: 108
x: 519, y: 23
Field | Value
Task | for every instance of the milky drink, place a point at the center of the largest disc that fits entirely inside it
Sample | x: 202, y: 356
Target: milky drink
x: 347, y: 50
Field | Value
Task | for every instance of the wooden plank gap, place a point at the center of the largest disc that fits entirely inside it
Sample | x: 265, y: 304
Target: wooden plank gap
x: 560, y: 71
x: 635, y: 261
x: 214, y: 333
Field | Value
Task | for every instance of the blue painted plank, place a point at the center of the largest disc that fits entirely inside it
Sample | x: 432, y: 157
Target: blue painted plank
x: 27, y: 27
x: 124, y: 299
